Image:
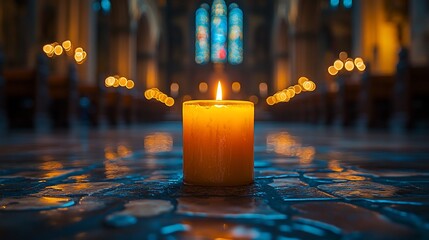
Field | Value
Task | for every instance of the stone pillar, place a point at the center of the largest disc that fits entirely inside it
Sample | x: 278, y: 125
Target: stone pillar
x: 377, y: 36
x: 304, y: 47
x: 419, y: 32
x: 87, y: 40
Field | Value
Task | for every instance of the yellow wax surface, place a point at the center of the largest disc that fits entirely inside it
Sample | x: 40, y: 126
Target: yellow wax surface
x: 218, y: 142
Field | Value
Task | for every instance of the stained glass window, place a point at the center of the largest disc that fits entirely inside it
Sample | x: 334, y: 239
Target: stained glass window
x: 235, y: 35
x: 202, y: 38
x: 218, y: 32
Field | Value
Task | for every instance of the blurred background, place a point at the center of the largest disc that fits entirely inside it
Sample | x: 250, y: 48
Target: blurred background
x: 100, y: 63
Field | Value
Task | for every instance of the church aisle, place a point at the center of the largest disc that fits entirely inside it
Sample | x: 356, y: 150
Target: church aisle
x: 310, y: 183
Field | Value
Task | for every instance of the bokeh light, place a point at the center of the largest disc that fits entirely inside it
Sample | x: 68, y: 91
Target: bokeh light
x: 342, y: 56
x: 203, y: 87
x: 302, y: 80
x: 263, y: 89
x: 332, y: 70
x: 349, y: 65
x: 236, y: 87
x: 254, y: 99
x: 130, y: 84
x: 338, y: 64
x: 174, y: 89
x: 58, y: 50
x: 67, y: 45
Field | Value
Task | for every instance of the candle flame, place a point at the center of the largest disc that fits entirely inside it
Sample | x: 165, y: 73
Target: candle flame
x: 219, y: 91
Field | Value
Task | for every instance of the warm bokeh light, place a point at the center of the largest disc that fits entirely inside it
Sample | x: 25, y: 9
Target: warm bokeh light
x: 236, y: 87
x: 307, y: 86
x: 163, y: 97
x: 286, y: 95
x: 109, y: 81
x: 48, y: 49
x: 281, y: 96
x: 290, y: 93
x: 155, y: 93
x: 79, y: 49
x: 174, y: 89
x: 130, y: 84
x: 158, y: 142
x: 302, y: 80
x: 332, y: 70
x: 254, y: 99
x: 219, y: 91
x: 358, y: 61
x: 116, y: 83
x: 270, y: 100
x: 67, y: 45
x: 349, y: 66
x: 343, y: 56
x: 186, y: 98
x: 169, y: 101
x: 58, y: 50
x: 203, y: 87
x: 78, y: 57
x: 338, y: 64
x: 149, y: 94
x: 361, y: 67
x: 263, y: 89
x: 122, y: 81
x: 297, y: 89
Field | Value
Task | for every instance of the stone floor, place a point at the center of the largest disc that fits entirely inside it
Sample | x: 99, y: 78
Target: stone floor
x: 310, y: 183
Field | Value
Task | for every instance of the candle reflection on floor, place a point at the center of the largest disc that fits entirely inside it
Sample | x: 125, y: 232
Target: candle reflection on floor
x: 285, y: 144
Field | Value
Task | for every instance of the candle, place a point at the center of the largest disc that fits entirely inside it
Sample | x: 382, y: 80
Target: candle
x: 218, y: 142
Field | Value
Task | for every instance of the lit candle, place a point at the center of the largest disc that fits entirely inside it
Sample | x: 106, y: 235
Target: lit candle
x: 218, y: 142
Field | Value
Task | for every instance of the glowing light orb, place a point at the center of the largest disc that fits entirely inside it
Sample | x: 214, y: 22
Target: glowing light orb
x: 270, y: 100
x: 48, y: 48
x: 203, y: 87
x: 236, y: 87
x: 349, y: 65
x: 332, y: 70
x: 302, y: 80
x: 297, y: 89
x: 361, y: 67
x: 338, y: 65
x: 58, y: 50
x: 254, y: 99
x: 263, y: 89
x: 67, y: 45
x: 109, y: 81
x: 122, y: 81
x: 169, y: 101
x: 130, y: 84
x: 343, y: 56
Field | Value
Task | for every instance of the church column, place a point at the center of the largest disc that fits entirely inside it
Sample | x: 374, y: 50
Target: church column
x: 419, y: 18
x: 304, y: 47
x: 87, y: 38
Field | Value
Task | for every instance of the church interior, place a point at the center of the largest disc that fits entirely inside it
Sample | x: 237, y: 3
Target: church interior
x: 111, y: 123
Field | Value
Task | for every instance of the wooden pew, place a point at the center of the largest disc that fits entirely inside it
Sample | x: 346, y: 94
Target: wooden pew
x: 92, y: 104
x: 326, y: 106
x: 3, y: 115
x: 27, y: 96
x: 375, y: 101
x: 113, y: 106
x: 63, y: 94
x: 346, y: 102
x: 411, y: 95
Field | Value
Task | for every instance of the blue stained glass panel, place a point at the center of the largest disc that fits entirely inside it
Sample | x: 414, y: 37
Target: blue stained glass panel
x: 219, y: 32
x: 235, y: 36
x: 202, y: 36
